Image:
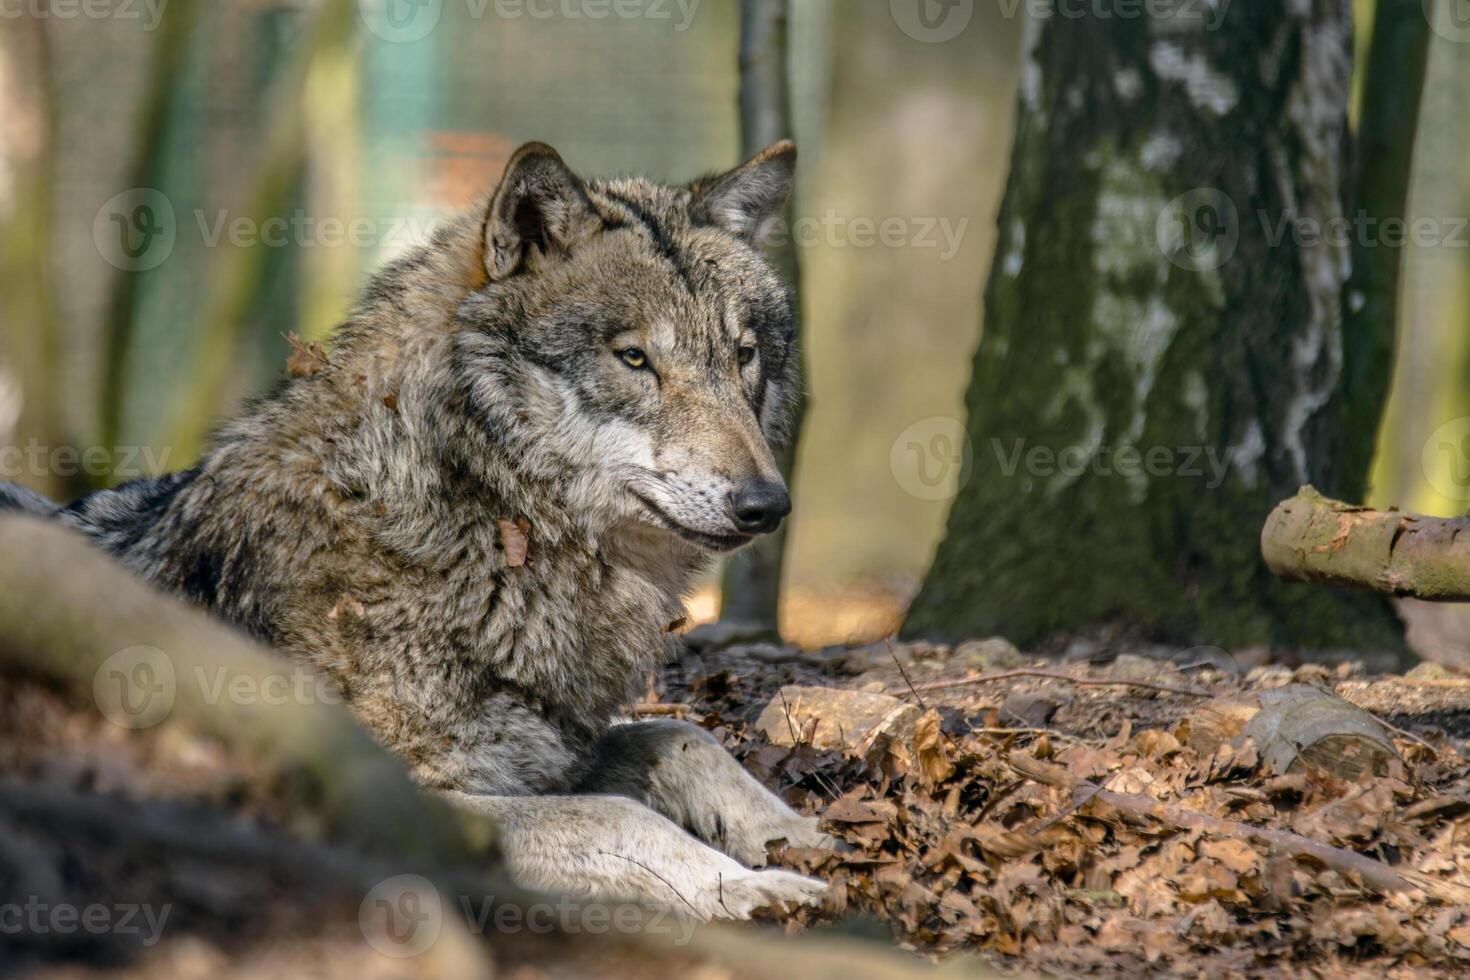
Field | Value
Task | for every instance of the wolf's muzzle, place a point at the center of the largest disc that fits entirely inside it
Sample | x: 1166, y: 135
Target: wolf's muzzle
x: 758, y: 506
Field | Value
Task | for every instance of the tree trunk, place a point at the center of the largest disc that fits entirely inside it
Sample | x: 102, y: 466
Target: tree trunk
x: 1163, y: 337
x: 168, y: 55
x: 751, y: 590
x: 28, y: 319
x: 1393, y: 89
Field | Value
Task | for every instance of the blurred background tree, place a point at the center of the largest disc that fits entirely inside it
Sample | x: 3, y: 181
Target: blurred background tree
x: 323, y: 111
x: 1173, y: 324
x: 750, y: 594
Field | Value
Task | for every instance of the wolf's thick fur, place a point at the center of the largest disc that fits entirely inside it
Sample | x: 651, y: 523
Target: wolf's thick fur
x: 595, y: 370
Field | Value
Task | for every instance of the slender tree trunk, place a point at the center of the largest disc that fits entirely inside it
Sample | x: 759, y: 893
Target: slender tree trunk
x: 1163, y: 338
x: 235, y: 276
x: 1393, y: 89
x: 752, y: 583
x: 27, y: 297
x: 168, y: 53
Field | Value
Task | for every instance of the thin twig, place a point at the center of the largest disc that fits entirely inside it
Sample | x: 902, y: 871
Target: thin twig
x: 905, y: 674
x: 915, y: 691
x: 1057, y: 676
x: 1399, y: 731
x: 1373, y: 873
x: 826, y: 782
x: 1028, y: 731
x: 660, y: 877
x: 720, y: 880
x: 790, y: 725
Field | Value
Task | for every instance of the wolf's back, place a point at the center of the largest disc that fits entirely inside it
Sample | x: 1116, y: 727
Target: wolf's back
x: 17, y: 499
x: 117, y: 519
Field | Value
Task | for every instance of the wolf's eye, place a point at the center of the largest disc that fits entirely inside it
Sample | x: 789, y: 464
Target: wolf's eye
x: 633, y: 357
x: 745, y: 355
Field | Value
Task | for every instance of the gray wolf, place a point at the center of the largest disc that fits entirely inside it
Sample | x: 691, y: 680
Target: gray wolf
x: 478, y: 512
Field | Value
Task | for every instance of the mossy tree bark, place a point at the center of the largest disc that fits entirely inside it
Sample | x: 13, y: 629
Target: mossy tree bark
x: 1163, y: 340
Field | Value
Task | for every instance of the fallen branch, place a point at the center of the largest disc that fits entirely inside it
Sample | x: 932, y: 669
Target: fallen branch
x: 1373, y: 873
x: 65, y: 609
x: 1006, y: 675
x: 1311, y: 538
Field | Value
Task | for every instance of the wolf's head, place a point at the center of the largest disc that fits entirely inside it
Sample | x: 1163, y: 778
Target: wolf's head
x: 631, y: 344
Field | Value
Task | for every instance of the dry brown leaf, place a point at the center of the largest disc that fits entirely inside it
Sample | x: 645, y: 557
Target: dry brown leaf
x: 306, y: 358
x: 929, y: 748
x: 1234, y: 854
x: 348, y: 605
x: 1156, y: 744
x: 515, y: 540
x: 849, y: 809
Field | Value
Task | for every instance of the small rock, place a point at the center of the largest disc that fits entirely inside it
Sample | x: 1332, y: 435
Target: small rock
x: 860, y: 660
x: 1249, y: 658
x: 1204, y: 658
x: 831, y: 718
x: 921, y: 652
x: 878, y: 656
x: 1131, y: 667
x: 1031, y: 710
x: 1081, y: 650
x: 711, y: 637
x: 769, y: 653
x: 995, y: 653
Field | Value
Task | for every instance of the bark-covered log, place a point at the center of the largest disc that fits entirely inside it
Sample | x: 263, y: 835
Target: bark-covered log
x: 1163, y: 340
x: 70, y: 614
x: 1297, y: 726
x: 1311, y: 538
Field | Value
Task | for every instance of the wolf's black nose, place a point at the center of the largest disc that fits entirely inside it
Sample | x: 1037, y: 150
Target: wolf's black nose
x: 759, y: 506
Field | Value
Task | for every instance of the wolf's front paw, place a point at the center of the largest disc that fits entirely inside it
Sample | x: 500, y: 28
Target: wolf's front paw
x: 748, y: 844
x: 736, y: 896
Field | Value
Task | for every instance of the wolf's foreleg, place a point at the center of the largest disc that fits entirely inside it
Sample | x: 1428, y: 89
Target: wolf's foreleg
x: 611, y: 847
x: 679, y: 770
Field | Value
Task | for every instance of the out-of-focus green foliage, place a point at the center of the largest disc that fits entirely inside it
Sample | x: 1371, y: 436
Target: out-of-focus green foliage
x: 383, y: 137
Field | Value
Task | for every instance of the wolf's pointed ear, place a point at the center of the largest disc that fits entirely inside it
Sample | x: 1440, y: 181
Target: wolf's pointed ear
x: 540, y: 208
x: 748, y: 200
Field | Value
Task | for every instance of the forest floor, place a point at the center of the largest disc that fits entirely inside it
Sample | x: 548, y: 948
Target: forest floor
x: 956, y: 849
x: 958, y: 856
